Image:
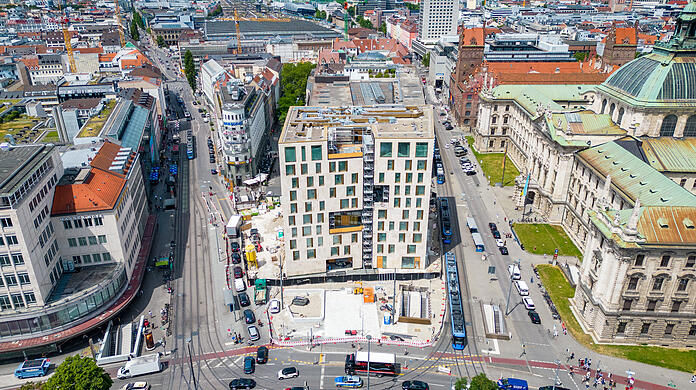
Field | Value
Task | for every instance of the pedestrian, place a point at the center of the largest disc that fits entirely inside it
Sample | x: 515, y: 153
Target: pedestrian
x: 572, y: 355
x: 150, y: 313
x: 531, y: 280
x: 693, y: 378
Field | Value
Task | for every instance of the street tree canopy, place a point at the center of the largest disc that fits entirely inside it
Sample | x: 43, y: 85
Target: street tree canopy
x: 79, y: 373
x: 294, y: 83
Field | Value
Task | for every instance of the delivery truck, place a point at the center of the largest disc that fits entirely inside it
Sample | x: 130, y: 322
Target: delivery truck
x: 260, y: 292
x: 141, y: 365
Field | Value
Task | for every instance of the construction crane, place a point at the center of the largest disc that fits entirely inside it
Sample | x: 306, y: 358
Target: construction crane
x: 66, y: 38
x: 237, y: 19
x: 119, y: 26
x: 239, y: 36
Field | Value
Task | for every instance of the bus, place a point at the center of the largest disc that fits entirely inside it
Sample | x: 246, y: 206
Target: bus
x: 445, y: 223
x: 380, y: 363
x: 472, y: 225
x: 478, y: 242
x: 32, y: 368
x: 190, y: 148
x: 457, y: 323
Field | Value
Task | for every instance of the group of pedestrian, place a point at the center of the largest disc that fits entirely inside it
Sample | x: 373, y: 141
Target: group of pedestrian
x: 602, y: 380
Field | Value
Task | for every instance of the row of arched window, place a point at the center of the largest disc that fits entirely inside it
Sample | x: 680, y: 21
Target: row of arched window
x: 669, y: 123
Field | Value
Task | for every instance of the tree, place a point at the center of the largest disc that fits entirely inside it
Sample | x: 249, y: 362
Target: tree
x: 383, y: 28
x: 190, y: 69
x: 581, y: 56
x: 134, y: 32
x: 351, y: 11
x: 79, y: 373
x: 481, y: 382
x: 364, y: 23
x: 138, y: 20
x: 160, y: 41
x: 426, y: 60
x: 294, y: 84
x: 320, y: 15
x: 413, y: 7
x: 215, y: 12
x: 460, y: 384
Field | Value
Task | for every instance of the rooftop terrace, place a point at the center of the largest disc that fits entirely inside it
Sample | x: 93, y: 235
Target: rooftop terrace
x: 307, y: 124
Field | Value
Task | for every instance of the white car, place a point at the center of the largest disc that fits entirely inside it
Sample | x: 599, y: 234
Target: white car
x: 528, y: 303
x: 447, y: 146
x: 287, y: 373
x: 274, y: 306
x: 136, y: 386
x: 499, y: 242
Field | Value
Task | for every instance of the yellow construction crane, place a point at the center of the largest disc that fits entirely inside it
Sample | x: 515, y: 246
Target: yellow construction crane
x: 119, y: 27
x: 239, y: 36
x: 66, y: 38
x: 237, y: 19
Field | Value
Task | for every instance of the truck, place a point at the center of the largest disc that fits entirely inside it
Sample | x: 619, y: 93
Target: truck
x: 260, y: 291
x: 512, y: 384
x: 141, y: 365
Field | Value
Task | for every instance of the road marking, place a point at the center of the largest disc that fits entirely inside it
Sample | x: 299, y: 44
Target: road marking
x: 437, y: 384
x: 321, y: 379
x: 237, y: 360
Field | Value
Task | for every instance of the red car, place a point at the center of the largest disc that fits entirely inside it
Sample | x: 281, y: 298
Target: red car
x: 237, y: 272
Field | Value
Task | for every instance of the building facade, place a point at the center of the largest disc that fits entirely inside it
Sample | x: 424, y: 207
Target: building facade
x: 437, y: 18
x: 356, y: 186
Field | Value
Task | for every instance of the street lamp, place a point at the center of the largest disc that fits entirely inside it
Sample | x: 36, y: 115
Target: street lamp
x: 512, y: 275
x: 368, y: 337
x: 193, y: 378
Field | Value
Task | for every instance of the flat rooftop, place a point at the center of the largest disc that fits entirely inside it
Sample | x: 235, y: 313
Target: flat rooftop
x: 76, y: 282
x: 404, y: 89
x: 16, y: 163
x: 306, y: 124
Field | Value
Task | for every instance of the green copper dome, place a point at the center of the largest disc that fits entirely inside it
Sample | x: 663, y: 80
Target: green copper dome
x: 668, y: 75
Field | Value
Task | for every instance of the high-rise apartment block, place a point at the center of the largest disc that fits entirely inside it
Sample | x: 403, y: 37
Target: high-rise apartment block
x: 356, y: 185
x: 437, y: 18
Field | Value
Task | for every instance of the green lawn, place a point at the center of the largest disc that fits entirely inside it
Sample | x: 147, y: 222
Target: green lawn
x: 541, y: 238
x: 492, y: 166
x: 16, y: 125
x: 94, y: 125
x: 560, y: 291
x: 51, y: 136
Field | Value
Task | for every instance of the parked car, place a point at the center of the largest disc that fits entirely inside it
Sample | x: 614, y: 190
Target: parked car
x: 238, y: 273
x: 249, y: 316
x: 496, y: 234
x: 274, y: 306
x: 503, y: 250
x: 235, y: 247
x: 244, y: 299
x: 492, y: 226
x: 253, y: 332
x: 287, y: 373
x: 261, y: 355
x: 236, y: 258
x: 249, y: 365
x: 528, y: 303
x: 136, y: 386
x: 499, y: 242
x: 414, y: 385
x: 300, y: 301
x: 242, y: 383
x: 534, y: 317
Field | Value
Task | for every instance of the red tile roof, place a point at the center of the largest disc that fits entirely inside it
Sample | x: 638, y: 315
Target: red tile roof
x: 472, y: 37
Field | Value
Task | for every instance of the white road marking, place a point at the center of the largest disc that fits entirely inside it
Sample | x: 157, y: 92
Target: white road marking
x: 321, y: 379
x: 436, y: 384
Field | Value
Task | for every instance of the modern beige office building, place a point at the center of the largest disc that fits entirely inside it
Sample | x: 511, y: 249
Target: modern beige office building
x: 356, y: 184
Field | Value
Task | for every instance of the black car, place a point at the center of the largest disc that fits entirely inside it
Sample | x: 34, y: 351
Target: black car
x: 249, y: 365
x: 235, y: 247
x: 236, y: 258
x: 242, y: 383
x: 553, y: 387
x: 414, y: 385
x: 471, y: 172
x: 534, y: 317
x: 492, y: 226
x: 261, y: 355
x: 244, y: 299
x: 237, y: 272
x: 496, y: 234
x: 249, y: 316
x: 503, y: 250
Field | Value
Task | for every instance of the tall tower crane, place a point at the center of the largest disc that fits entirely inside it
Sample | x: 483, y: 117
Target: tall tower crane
x: 239, y: 36
x: 66, y: 37
x: 119, y: 26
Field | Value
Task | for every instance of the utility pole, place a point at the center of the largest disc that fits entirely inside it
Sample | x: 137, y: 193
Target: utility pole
x: 502, y: 179
x: 368, y: 337
x: 193, y: 378
x: 507, y: 305
x: 282, y: 305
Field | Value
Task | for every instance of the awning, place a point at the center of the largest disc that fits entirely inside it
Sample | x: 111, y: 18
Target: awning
x: 162, y: 262
x: 228, y: 295
x: 251, y: 182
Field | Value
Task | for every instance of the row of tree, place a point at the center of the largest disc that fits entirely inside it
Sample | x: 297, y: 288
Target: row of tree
x: 294, y: 85
x: 190, y: 69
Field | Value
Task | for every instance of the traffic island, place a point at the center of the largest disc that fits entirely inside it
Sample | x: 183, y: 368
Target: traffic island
x: 561, y: 292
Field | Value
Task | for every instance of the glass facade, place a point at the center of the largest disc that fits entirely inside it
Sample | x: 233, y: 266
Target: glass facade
x: 64, y: 313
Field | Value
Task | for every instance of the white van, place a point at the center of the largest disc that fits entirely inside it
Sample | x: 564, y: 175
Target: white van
x: 239, y: 285
x: 514, y: 271
x: 522, y: 288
